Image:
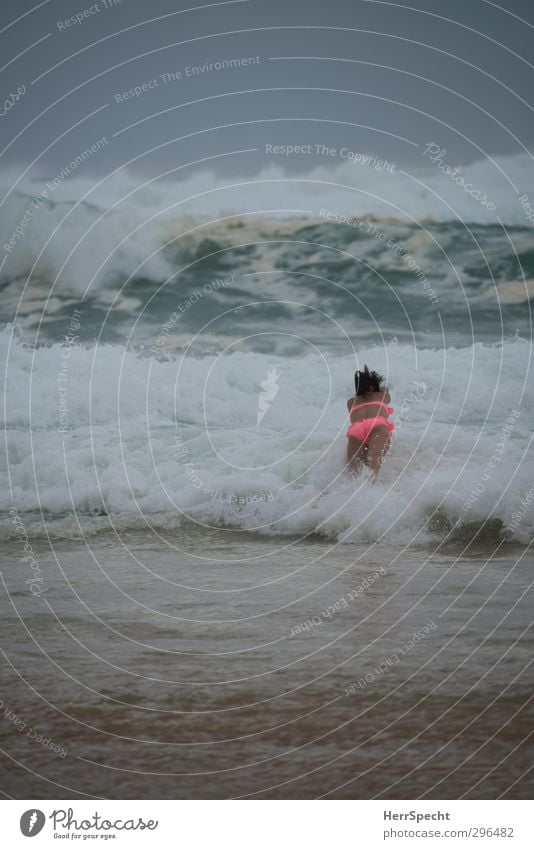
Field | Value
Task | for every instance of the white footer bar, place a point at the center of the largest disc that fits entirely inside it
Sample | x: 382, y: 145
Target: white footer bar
x: 268, y: 824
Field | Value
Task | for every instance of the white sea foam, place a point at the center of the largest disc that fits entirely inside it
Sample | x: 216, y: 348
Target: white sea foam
x: 160, y: 441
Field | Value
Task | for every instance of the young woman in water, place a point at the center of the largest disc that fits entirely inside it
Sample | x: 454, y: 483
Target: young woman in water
x: 370, y: 428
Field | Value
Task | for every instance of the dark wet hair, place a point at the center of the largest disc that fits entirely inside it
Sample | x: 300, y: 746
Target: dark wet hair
x: 367, y: 381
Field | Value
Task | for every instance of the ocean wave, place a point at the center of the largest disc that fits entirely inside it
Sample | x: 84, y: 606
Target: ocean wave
x: 134, y: 440
x: 121, y: 227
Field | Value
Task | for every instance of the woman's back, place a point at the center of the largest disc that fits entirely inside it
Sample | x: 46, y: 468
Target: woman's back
x: 369, y: 405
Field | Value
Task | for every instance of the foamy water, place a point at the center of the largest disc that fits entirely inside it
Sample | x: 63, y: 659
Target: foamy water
x: 187, y: 297
x: 163, y: 442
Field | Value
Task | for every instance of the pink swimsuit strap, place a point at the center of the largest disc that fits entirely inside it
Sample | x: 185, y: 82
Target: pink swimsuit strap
x: 372, y: 404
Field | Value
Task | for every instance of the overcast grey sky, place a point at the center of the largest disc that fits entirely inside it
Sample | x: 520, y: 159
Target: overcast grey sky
x: 377, y: 77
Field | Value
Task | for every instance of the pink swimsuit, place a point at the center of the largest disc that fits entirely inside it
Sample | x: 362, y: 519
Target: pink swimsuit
x: 362, y: 430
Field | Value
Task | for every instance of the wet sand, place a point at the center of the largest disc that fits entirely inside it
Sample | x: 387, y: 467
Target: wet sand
x: 223, y: 665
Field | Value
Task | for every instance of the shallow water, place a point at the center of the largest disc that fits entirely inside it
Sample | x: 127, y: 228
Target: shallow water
x: 219, y: 664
